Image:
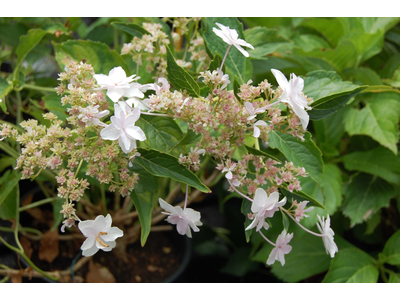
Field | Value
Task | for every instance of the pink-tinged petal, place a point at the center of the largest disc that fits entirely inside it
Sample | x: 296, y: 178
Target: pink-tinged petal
x: 91, y: 251
x: 112, y: 234
x: 260, y: 123
x: 256, y: 132
x: 169, y: 208
x: 260, y: 223
x: 110, y: 133
x: 181, y: 227
x: 188, y: 232
x: 117, y: 75
x: 115, y: 93
x: 193, y: 215
x: 125, y: 140
x: 88, y: 243
x: 280, y: 78
x: 229, y: 175
x: 272, y: 257
x: 111, y: 245
x: 135, y: 132
x: 260, y: 197
x: 281, y: 203
x: 281, y: 257
x: 103, y: 80
x: 102, y: 114
x: 249, y: 107
x: 124, y: 148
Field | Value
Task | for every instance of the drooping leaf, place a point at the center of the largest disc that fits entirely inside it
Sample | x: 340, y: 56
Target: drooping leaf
x: 302, y: 153
x: 366, y: 193
x: 377, y: 119
x: 144, y: 196
x: 379, y: 161
x: 5, y: 88
x: 330, y: 93
x: 254, y: 151
x: 165, y: 165
x: 161, y: 133
x: 9, y: 192
x: 216, y: 63
x: 179, y: 77
x: 352, y: 266
x: 97, y: 54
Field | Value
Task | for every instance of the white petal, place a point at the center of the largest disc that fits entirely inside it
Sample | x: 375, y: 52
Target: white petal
x: 100, y: 224
x: 103, y: 80
x: 115, y: 93
x: 302, y: 114
x: 182, y: 227
x: 91, y: 251
x: 86, y: 227
x: 280, y: 78
x: 168, y: 207
x: 260, y: 197
x: 88, y: 243
x: 244, y: 52
x: 110, y: 133
x: 108, y: 221
x: 249, y: 107
x: 257, y: 131
x: 135, y: 132
x: 112, y: 234
x: 111, y: 245
x: 117, y: 74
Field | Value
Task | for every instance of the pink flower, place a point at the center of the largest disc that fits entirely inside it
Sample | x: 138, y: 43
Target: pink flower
x: 123, y: 129
x: 281, y: 248
x: 299, y: 212
x: 252, y: 112
x: 183, y: 218
x: 264, y: 206
x: 324, y: 226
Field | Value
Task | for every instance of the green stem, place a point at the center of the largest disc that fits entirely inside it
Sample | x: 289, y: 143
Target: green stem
x: 115, y: 38
x: 5, y: 279
x: 257, y: 144
x: 9, y: 150
x: 79, y: 167
x: 17, y: 220
x: 21, y: 252
x: 38, y: 203
x: 39, y: 88
x: 103, y: 199
x: 22, y: 229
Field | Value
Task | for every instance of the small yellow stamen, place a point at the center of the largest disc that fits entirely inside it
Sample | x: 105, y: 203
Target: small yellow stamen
x: 102, y: 233
x: 101, y: 243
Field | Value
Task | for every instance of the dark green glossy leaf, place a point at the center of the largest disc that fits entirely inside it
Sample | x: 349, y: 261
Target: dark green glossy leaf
x: 132, y: 29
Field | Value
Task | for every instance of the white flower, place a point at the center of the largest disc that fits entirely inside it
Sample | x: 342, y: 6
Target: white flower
x: 198, y: 151
x: 165, y: 85
x: 293, y: 95
x: 281, y: 248
x: 229, y: 170
x: 224, y: 78
x: 327, y: 232
x: 183, y: 218
x: 264, y: 206
x: 299, y: 212
x: 257, y: 131
x: 252, y: 112
x: 118, y: 85
x: 123, y: 129
x: 230, y: 36
x: 136, y: 103
x: 99, y: 235
x: 91, y: 115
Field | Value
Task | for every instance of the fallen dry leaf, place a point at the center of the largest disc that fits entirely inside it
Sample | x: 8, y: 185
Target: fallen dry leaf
x: 16, y: 278
x: 99, y: 274
x: 26, y: 244
x: 49, y: 249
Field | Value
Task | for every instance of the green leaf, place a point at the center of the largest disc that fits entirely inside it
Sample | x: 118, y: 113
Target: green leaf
x: 52, y: 102
x: 162, y: 133
x: 260, y: 153
x: 394, y: 277
x: 352, y: 266
x: 97, y: 54
x: 180, y: 78
x: 8, y: 208
x: 216, y: 63
x: 26, y: 44
x: 190, y: 137
x: 302, y: 153
x: 329, y: 92
x: 364, y: 194
x: 164, y: 165
x: 9, y: 184
x: 5, y: 88
x: 245, y: 210
x: 235, y: 61
x: 379, y: 161
x: 144, y: 196
x: 331, y: 29
x: 377, y: 119
x: 301, y: 196
x: 58, y: 217
x: 236, y: 89
x: 265, y: 41
x: 132, y: 29
x: 391, y: 251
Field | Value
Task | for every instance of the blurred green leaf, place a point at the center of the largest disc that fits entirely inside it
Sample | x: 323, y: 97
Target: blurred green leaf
x: 391, y: 252
x: 132, y: 29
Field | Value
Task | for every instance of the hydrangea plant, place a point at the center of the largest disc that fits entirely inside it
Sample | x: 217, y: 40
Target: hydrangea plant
x: 182, y: 116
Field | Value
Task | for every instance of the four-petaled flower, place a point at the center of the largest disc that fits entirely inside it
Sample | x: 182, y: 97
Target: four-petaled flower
x: 264, y: 206
x: 118, y: 85
x: 230, y: 36
x: 299, y: 212
x: 324, y: 226
x: 229, y: 170
x: 123, y: 129
x: 91, y: 115
x: 183, y: 218
x: 293, y: 95
x: 224, y: 78
x: 99, y: 235
x: 281, y: 248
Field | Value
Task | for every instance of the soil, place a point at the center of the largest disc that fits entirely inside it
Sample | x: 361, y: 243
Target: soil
x: 153, y: 263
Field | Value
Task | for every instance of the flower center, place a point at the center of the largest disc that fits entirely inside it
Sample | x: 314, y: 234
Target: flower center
x: 100, y: 241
